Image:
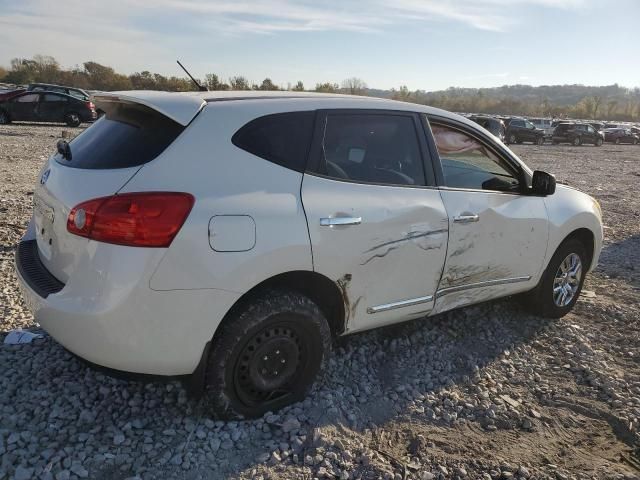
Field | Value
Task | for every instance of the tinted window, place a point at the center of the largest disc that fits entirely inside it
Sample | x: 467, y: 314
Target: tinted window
x: 372, y: 148
x: 126, y: 136
x: 52, y: 97
x: 468, y: 163
x: 33, y: 97
x: 282, y: 138
x: 517, y: 123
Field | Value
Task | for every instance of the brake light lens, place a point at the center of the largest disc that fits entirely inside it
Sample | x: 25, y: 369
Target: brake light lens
x: 144, y: 219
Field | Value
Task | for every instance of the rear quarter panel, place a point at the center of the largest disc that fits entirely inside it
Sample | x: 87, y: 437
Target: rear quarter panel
x: 226, y: 180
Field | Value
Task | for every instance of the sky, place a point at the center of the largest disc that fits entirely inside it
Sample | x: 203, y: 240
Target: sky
x: 423, y: 44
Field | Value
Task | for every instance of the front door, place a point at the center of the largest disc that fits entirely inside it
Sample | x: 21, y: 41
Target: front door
x: 497, y: 236
x: 377, y: 225
x: 52, y: 107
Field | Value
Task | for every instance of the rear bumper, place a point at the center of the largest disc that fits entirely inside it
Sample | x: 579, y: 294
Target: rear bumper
x: 116, y: 323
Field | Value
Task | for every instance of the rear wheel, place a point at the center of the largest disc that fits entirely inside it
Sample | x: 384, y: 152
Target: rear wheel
x: 617, y: 141
x: 562, y: 281
x: 4, y: 118
x: 577, y: 141
x: 513, y: 138
x: 72, y: 119
x: 267, y: 356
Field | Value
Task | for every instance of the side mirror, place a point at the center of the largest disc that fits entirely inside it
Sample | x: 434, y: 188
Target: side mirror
x: 543, y: 183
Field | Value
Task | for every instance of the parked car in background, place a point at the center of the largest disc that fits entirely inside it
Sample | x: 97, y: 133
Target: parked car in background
x: 229, y: 235
x: 635, y: 131
x: 620, y: 135
x: 47, y: 87
x: 7, y: 94
x: 491, y: 124
x: 47, y: 107
x: 577, y: 134
x: 543, y: 124
x: 520, y: 130
x: 599, y: 126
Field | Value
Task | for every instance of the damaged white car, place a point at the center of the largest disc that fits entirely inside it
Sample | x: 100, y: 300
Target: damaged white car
x: 229, y: 235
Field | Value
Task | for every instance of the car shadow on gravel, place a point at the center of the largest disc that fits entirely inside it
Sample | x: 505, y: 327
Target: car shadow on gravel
x: 115, y: 429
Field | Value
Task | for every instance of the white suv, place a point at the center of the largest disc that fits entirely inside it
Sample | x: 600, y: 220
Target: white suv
x: 229, y: 235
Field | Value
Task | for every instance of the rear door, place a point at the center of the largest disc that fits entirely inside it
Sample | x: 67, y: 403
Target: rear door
x: 377, y: 225
x: 497, y: 236
x: 25, y: 107
x: 52, y: 107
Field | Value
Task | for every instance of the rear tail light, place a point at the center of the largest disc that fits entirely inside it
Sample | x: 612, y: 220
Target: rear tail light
x: 145, y: 219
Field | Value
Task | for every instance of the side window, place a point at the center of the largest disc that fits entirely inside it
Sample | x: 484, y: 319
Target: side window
x: 468, y: 163
x: 517, y: 123
x: 372, y: 148
x: 282, y: 138
x: 31, y: 98
x: 51, y: 97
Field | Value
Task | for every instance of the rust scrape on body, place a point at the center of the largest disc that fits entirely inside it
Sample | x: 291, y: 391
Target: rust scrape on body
x: 343, y: 285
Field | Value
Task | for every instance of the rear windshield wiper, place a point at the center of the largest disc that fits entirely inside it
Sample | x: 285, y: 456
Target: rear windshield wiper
x: 64, y: 149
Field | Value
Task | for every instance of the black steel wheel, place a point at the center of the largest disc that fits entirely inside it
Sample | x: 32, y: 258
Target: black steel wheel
x: 72, y: 119
x: 267, y: 355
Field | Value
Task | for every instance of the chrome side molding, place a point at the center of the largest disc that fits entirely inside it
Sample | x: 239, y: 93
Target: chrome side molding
x: 402, y: 303
x: 445, y: 291
x: 488, y: 283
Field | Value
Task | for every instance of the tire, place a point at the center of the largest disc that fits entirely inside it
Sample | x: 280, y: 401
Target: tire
x: 540, y: 141
x: 72, y: 119
x: 599, y: 142
x: 513, y: 138
x: 241, y: 381
x: 617, y: 141
x: 577, y: 141
x: 542, y: 300
x: 4, y: 118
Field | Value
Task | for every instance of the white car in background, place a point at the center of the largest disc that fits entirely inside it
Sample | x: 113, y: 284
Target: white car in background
x: 228, y: 236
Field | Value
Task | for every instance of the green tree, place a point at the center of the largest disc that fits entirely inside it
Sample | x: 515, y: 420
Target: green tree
x: 327, y: 87
x: 239, y: 83
x: 267, y: 84
x: 299, y: 87
x: 212, y: 82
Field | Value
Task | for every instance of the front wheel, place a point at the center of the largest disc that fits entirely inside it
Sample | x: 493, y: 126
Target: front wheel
x: 4, y: 118
x: 577, y: 141
x: 540, y: 141
x: 561, y: 283
x: 617, y: 141
x: 72, y: 119
x: 267, y: 356
x: 599, y: 142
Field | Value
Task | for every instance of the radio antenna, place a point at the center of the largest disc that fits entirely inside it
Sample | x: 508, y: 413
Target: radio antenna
x: 200, y: 87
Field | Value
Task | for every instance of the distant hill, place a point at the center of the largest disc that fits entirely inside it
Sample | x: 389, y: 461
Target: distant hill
x: 610, y: 101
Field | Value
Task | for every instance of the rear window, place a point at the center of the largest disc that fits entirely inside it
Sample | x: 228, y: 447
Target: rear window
x: 282, y: 138
x: 127, y: 135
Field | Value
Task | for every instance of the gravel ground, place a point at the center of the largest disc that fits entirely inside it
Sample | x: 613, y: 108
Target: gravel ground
x: 484, y: 392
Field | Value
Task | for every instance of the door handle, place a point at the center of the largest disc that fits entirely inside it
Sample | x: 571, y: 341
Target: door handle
x: 466, y: 218
x: 327, y: 222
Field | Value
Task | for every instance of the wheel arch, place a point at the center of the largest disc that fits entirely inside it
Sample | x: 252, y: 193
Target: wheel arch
x: 321, y: 290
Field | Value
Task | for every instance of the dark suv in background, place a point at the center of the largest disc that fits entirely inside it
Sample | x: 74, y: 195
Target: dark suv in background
x: 47, y: 107
x: 577, y: 134
x: 491, y: 124
x: 47, y: 87
x: 520, y: 130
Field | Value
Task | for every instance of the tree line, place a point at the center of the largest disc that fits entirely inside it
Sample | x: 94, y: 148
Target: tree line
x: 611, y: 102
